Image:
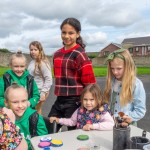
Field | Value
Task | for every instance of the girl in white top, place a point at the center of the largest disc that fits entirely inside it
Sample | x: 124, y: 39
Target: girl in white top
x: 40, y: 68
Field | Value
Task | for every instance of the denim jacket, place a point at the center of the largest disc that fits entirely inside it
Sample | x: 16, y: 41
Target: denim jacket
x: 135, y: 109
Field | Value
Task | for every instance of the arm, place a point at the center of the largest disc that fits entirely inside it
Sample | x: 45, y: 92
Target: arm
x: 85, y: 69
x: 139, y: 102
x: 36, y: 96
x: 10, y: 114
x: 41, y: 127
x: 47, y: 76
x: 106, y: 123
x: 23, y: 145
x: 69, y: 121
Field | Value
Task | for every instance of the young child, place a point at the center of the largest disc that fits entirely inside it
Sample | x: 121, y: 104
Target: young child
x: 93, y: 113
x: 10, y: 137
x: 19, y: 74
x: 124, y: 90
x: 16, y: 98
x: 72, y: 70
x: 40, y: 68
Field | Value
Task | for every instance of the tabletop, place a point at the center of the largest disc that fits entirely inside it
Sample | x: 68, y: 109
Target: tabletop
x: 103, y: 139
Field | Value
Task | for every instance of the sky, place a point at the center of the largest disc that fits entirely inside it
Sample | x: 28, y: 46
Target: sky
x: 102, y: 21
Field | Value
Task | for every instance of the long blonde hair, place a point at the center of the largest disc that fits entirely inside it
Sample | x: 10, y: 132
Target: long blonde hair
x: 128, y: 79
x: 41, y: 58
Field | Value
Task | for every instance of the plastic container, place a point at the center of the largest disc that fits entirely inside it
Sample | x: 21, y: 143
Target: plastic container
x: 137, y: 142
x: 146, y: 147
x: 121, y: 138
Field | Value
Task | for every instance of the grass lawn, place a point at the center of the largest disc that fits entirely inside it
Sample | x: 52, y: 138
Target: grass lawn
x: 98, y: 71
x: 102, y: 71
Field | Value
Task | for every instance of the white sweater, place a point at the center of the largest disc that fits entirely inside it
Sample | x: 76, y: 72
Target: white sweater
x: 43, y: 81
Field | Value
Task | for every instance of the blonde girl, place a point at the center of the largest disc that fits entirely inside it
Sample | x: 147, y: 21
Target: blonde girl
x: 40, y: 68
x: 19, y: 74
x: 123, y: 89
x: 93, y: 113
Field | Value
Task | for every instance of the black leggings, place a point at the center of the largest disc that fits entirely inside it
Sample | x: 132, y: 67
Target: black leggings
x: 64, y: 107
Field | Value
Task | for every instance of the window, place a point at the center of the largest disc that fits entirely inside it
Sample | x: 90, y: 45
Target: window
x: 148, y: 48
x: 131, y: 50
x: 136, y: 49
x: 106, y: 53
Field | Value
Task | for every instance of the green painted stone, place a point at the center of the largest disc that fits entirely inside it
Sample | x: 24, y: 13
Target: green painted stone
x: 82, y: 137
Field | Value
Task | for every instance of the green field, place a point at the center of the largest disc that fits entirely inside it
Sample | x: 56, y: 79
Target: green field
x: 101, y: 71
x: 98, y: 71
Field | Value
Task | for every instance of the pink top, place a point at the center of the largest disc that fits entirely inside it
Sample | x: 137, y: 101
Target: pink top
x: 106, y: 123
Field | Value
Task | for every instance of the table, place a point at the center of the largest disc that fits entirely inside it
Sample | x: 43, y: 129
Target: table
x: 70, y: 142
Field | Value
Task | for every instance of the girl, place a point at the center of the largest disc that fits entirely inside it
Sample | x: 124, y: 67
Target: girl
x: 40, y: 68
x: 72, y: 70
x: 93, y: 113
x: 16, y: 98
x: 124, y: 90
x: 19, y: 74
x: 10, y: 136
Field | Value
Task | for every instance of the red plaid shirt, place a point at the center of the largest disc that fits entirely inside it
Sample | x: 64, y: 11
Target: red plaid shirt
x: 73, y: 71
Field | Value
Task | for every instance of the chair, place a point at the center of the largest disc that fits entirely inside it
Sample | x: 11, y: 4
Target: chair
x: 51, y: 127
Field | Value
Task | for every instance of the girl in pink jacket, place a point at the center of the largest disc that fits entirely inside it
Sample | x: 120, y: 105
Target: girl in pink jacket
x: 93, y: 113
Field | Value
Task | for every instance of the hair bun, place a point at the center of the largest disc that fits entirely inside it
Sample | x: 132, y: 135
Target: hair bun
x: 14, y: 83
x: 19, y: 52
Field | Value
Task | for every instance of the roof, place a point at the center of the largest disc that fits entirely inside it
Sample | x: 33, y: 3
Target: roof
x: 137, y: 41
x: 116, y: 44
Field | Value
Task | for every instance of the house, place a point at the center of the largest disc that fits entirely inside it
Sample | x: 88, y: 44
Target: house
x: 108, y: 49
x: 139, y: 46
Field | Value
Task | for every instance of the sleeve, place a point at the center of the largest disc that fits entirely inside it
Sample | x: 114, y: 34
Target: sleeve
x: 85, y: 69
x: 36, y: 95
x: 139, y: 102
x: 106, y: 123
x: 11, y: 136
x: 41, y: 127
x: 47, y: 75
x: 2, y: 92
x: 69, y: 121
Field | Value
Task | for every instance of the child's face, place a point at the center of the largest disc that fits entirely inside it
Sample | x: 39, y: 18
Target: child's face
x: 69, y: 36
x: 117, y: 68
x: 34, y: 52
x: 18, y: 66
x: 18, y: 101
x: 88, y: 101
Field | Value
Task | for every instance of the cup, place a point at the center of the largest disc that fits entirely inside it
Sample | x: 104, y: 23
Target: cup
x: 121, y: 138
x: 146, y: 147
x: 137, y: 142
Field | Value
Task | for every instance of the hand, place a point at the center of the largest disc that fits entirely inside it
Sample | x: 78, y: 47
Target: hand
x: 126, y: 121
x: 42, y: 98
x: 10, y: 114
x: 88, y: 127
x: 52, y: 119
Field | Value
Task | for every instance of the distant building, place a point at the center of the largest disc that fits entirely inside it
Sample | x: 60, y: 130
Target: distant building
x: 139, y: 46
x: 109, y: 49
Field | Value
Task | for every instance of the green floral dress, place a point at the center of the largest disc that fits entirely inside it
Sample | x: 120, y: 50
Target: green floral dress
x: 10, y: 136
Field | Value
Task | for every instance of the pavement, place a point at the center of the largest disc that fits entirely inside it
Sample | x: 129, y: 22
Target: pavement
x: 143, y: 123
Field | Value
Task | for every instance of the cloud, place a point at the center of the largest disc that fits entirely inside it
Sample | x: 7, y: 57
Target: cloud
x: 102, y: 22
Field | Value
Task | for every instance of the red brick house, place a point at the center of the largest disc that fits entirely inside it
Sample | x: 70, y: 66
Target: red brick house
x: 139, y: 46
x: 108, y: 49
